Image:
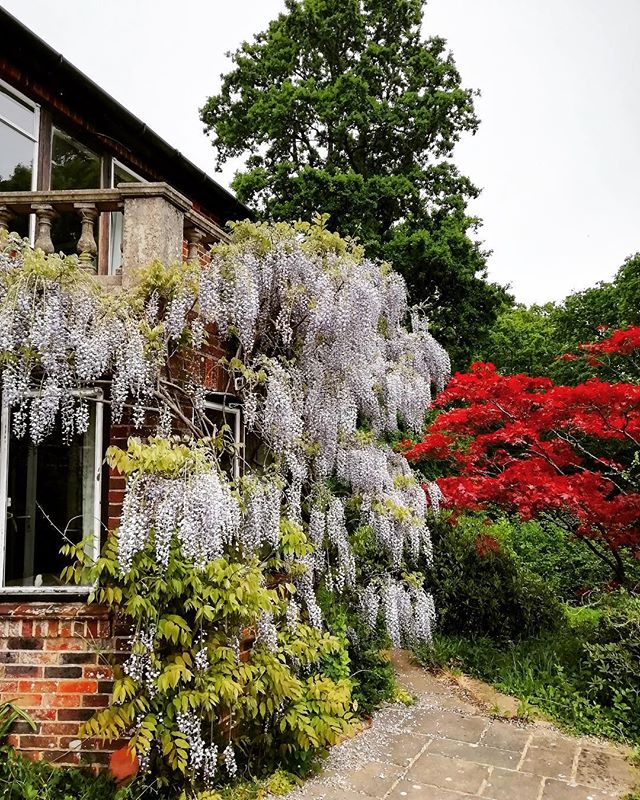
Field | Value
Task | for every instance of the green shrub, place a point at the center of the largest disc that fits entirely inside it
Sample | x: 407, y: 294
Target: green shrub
x: 613, y: 660
x: 587, y: 678
x: 480, y: 588
x: 567, y: 566
x: 22, y: 779
x: 371, y: 672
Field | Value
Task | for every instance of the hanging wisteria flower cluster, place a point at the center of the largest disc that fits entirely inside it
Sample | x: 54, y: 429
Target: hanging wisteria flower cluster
x: 203, y: 757
x: 329, y: 360
x: 409, y: 611
x: 61, y: 337
x: 141, y: 664
x: 329, y: 348
x: 200, y: 509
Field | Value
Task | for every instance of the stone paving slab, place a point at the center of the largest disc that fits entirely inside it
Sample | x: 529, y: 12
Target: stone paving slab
x: 405, y: 749
x: 448, y: 773
x: 374, y: 779
x: 601, y: 769
x: 551, y: 762
x: 408, y: 790
x: 558, y: 790
x: 445, y: 748
x: 506, y: 736
x: 505, y: 784
x: 479, y: 753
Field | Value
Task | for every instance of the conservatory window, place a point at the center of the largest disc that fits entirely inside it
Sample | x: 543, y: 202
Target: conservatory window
x: 18, y: 147
x: 219, y: 415
x: 119, y: 174
x: 73, y: 166
x: 49, y: 495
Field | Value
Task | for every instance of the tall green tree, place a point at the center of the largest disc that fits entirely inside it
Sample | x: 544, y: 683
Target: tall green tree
x: 531, y: 340
x: 612, y: 304
x: 522, y: 340
x: 341, y: 107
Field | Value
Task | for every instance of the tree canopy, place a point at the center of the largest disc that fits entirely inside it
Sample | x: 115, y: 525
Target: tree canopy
x: 342, y: 107
x: 532, y: 340
x: 528, y: 445
x: 522, y: 340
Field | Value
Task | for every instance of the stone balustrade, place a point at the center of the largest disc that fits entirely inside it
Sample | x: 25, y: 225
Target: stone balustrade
x: 157, y: 222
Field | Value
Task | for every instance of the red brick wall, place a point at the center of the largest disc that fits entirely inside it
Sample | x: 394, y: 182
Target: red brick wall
x: 203, y: 366
x: 55, y: 657
x: 54, y: 663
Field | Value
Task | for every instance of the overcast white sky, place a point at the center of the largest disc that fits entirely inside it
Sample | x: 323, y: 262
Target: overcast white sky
x: 557, y: 154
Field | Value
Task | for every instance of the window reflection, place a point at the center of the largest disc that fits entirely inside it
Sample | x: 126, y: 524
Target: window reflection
x: 73, y: 166
x: 16, y: 160
x: 19, y: 113
x: 17, y: 151
x: 51, y: 500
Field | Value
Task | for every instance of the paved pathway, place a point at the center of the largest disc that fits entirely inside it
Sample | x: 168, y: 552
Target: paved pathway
x: 446, y: 748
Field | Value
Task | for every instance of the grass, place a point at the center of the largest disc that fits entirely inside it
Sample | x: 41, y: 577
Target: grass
x: 550, y: 672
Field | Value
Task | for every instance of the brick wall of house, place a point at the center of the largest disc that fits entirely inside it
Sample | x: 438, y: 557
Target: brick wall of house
x: 55, y: 664
x: 55, y: 658
x: 202, y: 367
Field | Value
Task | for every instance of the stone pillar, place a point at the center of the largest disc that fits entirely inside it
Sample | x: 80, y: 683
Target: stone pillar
x: 153, y: 226
x: 5, y: 216
x: 44, y: 215
x: 194, y: 239
x: 87, y: 247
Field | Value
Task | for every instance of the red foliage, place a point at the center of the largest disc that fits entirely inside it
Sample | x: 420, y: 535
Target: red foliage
x: 528, y: 445
x: 621, y: 343
x: 486, y: 544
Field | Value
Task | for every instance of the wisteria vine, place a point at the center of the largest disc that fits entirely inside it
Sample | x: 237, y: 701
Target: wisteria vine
x: 328, y: 362
x: 332, y: 360
x: 327, y: 348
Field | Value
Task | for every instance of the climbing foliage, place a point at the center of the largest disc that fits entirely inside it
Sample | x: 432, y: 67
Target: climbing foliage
x: 216, y: 572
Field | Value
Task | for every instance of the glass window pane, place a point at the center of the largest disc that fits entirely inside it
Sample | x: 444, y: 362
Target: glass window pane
x: 115, y: 242
x: 17, y: 112
x: 225, y: 419
x: 16, y: 160
x: 51, y: 490
x: 122, y: 175
x: 73, y: 166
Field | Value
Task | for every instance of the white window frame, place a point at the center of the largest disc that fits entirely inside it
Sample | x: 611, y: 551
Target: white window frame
x: 117, y: 163
x: 238, y: 428
x: 5, y: 438
x: 35, y: 138
x: 111, y: 270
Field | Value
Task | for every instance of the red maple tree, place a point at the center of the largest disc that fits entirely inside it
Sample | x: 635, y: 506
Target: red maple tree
x: 530, y: 446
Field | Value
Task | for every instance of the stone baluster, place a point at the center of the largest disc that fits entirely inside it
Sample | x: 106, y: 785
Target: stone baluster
x: 87, y: 247
x: 194, y: 237
x: 5, y: 216
x: 44, y: 214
